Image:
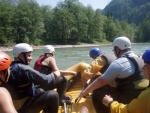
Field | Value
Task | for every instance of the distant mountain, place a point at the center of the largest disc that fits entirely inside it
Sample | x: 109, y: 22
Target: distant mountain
x: 133, y: 11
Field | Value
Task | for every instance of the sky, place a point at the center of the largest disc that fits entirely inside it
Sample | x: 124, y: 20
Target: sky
x: 96, y: 4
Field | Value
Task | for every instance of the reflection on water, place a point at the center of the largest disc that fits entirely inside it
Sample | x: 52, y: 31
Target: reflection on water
x: 66, y: 57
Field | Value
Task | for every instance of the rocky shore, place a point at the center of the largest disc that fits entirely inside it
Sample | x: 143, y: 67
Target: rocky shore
x: 56, y: 46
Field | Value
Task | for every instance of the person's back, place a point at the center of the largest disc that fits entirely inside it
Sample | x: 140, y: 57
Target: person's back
x: 123, y: 72
x: 39, y: 66
x: 6, y: 104
x: 137, y: 105
x: 22, y: 80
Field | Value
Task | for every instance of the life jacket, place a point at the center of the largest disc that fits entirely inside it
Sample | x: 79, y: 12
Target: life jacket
x: 42, y: 68
x: 136, y: 80
x: 38, y: 64
x: 92, y: 71
x: 109, y: 58
x: 17, y: 87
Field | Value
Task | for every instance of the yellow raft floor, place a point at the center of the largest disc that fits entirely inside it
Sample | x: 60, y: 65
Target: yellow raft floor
x: 74, y: 91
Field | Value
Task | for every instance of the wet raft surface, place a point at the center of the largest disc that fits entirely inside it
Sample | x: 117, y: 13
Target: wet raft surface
x: 74, y: 89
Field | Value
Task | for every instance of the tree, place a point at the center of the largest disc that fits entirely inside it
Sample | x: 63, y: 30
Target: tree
x: 6, y: 19
x: 28, y: 22
x: 144, y: 31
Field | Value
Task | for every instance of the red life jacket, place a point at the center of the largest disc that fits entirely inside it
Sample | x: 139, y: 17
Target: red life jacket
x: 38, y: 64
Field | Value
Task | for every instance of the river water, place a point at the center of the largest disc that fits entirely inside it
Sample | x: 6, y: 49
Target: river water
x: 66, y: 57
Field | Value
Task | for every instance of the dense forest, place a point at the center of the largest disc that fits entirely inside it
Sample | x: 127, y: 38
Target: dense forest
x: 133, y: 11
x: 70, y: 22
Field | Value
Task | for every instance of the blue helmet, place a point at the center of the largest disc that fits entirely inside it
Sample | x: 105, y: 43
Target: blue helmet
x: 94, y: 52
x: 146, y: 56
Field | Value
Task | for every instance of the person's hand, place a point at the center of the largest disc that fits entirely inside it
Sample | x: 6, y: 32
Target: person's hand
x: 107, y: 99
x: 74, y: 73
x: 57, y: 73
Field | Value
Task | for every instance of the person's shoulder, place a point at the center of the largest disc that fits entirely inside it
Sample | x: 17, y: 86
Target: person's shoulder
x: 21, y: 66
x: 49, y: 59
x: 121, y: 59
x: 109, y: 56
x: 118, y: 62
x: 3, y: 91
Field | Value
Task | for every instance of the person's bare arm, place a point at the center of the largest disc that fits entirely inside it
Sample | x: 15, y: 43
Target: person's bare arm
x: 99, y: 82
x: 52, y: 64
x: 6, y: 104
x: 68, y: 72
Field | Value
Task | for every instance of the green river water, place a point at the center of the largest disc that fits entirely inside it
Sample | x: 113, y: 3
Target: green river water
x: 66, y: 57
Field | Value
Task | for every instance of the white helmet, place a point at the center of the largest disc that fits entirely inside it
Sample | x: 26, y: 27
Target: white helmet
x: 122, y: 43
x: 22, y: 47
x: 48, y: 49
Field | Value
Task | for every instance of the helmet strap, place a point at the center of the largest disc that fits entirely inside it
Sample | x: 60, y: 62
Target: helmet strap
x: 117, y: 51
x: 6, y: 77
x: 149, y: 82
x: 25, y: 58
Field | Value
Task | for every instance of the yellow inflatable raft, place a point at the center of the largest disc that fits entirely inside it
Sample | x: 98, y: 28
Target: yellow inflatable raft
x: 83, y: 105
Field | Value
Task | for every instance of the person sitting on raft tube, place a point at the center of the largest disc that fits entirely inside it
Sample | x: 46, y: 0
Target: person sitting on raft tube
x: 26, y: 97
x: 46, y: 64
x: 126, y: 71
x: 137, y: 105
x: 98, y: 66
x: 6, y: 104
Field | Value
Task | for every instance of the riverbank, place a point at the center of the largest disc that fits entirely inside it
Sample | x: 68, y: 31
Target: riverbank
x: 55, y: 46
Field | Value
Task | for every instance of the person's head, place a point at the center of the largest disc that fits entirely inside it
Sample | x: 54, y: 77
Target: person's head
x: 121, y: 45
x: 5, y: 61
x: 146, y: 67
x: 22, y: 52
x: 94, y: 52
x: 48, y: 49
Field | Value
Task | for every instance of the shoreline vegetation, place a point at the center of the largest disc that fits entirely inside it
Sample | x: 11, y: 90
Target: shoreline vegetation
x: 55, y: 46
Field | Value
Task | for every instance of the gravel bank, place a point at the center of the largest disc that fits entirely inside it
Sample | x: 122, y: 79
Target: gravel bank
x: 56, y: 46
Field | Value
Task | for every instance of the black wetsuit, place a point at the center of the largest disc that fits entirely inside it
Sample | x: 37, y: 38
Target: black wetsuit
x: 60, y: 83
x: 21, y: 85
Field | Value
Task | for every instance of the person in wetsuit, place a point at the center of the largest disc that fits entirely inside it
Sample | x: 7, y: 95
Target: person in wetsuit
x: 26, y: 97
x: 46, y: 64
x: 99, y: 65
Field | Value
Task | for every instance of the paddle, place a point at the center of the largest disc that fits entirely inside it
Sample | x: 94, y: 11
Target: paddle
x: 79, y: 96
x: 65, y: 107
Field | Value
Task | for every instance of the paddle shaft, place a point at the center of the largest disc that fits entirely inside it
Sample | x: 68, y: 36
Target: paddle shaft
x: 65, y: 107
x: 79, y: 96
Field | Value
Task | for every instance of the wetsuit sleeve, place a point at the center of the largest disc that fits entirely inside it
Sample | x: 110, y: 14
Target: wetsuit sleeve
x: 99, y: 61
x: 139, y: 105
x: 91, y: 70
x: 135, y: 106
x: 38, y: 78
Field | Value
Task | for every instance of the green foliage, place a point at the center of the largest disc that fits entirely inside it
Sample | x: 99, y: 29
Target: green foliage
x: 6, y: 20
x: 144, y: 31
x: 72, y: 23
x: 133, y: 11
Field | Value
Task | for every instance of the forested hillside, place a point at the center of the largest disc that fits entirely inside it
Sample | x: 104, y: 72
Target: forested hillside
x: 134, y: 11
x: 70, y: 22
